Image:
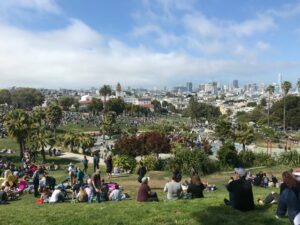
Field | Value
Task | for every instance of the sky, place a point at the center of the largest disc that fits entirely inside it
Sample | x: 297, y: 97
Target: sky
x: 147, y: 43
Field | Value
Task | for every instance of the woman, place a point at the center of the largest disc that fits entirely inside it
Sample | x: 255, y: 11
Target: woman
x: 173, y: 188
x: 144, y: 193
x: 290, y: 199
x: 196, y: 187
x: 82, y: 196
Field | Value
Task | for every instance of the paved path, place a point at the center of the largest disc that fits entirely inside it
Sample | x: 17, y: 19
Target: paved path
x: 78, y: 157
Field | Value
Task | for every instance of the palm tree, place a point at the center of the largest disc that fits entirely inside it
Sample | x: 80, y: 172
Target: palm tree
x: 69, y: 139
x: 245, y: 135
x: 40, y: 139
x: 104, y: 91
x: 286, y: 86
x: 270, y: 90
x: 54, y: 115
x: 85, y: 141
x: 298, y: 85
x: 18, y: 124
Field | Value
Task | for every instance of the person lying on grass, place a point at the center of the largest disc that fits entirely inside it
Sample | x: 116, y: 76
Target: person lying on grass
x: 240, y: 192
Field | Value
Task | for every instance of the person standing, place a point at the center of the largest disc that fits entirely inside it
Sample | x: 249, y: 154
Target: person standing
x: 95, y: 187
x: 85, y: 163
x: 109, y: 166
x: 36, y: 182
x: 141, y: 172
x: 80, y: 176
x: 96, y: 161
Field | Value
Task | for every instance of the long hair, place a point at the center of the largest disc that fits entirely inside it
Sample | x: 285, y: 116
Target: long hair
x: 196, y: 180
x: 290, y: 180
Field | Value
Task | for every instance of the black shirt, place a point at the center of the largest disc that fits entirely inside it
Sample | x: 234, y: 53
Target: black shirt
x: 196, y: 190
x: 241, y: 195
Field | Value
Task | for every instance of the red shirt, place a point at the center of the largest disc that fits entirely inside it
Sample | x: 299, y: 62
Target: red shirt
x: 143, y: 193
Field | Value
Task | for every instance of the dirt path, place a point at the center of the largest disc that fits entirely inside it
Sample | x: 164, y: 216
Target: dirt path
x: 78, y: 157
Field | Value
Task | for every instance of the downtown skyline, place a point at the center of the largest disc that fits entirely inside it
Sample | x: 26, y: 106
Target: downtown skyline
x: 79, y: 44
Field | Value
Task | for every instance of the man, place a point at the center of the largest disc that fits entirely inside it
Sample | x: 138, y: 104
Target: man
x: 36, y: 182
x: 80, y: 176
x: 96, y: 161
x: 141, y: 172
x: 95, y: 186
x: 85, y: 163
x: 240, y: 192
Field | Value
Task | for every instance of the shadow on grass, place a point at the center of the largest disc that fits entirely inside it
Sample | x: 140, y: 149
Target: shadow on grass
x: 214, y: 215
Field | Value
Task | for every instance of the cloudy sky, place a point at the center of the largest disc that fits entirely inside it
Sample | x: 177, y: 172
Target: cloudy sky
x: 147, y: 43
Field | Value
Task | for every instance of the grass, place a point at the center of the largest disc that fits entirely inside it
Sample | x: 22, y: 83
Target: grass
x: 207, y: 211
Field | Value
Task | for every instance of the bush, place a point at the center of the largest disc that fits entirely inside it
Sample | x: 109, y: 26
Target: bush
x: 264, y: 159
x: 150, y: 162
x: 290, y: 158
x: 228, y: 155
x: 246, y: 158
x: 126, y: 163
x: 187, y: 160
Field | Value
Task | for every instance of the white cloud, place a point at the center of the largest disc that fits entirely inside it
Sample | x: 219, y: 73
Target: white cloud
x: 287, y: 10
x: 78, y: 56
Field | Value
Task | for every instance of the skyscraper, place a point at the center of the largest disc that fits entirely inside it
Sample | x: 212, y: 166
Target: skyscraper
x: 189, y: 86
x: 235, y: 84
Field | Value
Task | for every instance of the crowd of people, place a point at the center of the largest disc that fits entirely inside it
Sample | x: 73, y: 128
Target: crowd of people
x: 80, y: 187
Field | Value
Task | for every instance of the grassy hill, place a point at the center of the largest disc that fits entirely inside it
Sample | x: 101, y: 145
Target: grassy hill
x: 207, y: 211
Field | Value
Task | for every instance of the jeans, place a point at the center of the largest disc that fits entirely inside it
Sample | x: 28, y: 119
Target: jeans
x: 95, y: 193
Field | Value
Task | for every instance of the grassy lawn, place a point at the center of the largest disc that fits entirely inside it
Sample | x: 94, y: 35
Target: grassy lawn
x: 207, y: 211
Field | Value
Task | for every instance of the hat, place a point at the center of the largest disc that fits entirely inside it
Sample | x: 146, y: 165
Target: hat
x: 240, y: 171
x: 144, y: 179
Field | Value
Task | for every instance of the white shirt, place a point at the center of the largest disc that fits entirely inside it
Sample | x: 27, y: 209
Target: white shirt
x: 54, y: 196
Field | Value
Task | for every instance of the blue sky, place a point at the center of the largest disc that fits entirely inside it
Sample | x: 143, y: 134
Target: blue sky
x: 147, y: 43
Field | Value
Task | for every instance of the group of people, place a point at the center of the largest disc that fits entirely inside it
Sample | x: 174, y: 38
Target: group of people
x: 241, y: 195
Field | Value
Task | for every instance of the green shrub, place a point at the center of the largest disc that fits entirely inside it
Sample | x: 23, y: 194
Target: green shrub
x: 246, y: 158
x: 126, y: 163
x: 228, y: 155
x: 290, y: 158
x: 150, y: 162
x: 264, y: 159
x: 187, y: 160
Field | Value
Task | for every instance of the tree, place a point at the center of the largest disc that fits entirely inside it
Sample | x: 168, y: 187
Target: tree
x: 129, y: 146
x: 96, y: 106
x: 105, y: 90
x: 5, y: 97
x: 109, y: 119
x: 54, y: 116
x: 66, y: 102
x: 228, y: 155
x: 116, y: 105
x: 286, y: 86
x: 85, y: 141
x: 40, y: 138
x: 69, y: 139
x: 18, y: 124
x: 157, y: 106
x: 223, y: 130
x: 270, y: 90
x: 155, y: 143
x: 298, y: 85
x: 245, y: 135
x: 27, y: 98
x: 39, y: 116
x: 119, y: 88
x: 263, y: 102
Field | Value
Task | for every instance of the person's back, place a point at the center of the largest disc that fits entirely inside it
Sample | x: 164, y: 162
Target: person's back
x: 241, y: 194
x: 173, y: 190
x: 196, y: 190
x: 116, y: 195
x: 143, y: 193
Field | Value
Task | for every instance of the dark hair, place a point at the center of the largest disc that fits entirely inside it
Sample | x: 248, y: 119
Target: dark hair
x: 290, y: 180
x: 196, y: 180
x: 116, y: 186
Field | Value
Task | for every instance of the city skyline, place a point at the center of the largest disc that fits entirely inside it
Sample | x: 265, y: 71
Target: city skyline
x: 75, y: 44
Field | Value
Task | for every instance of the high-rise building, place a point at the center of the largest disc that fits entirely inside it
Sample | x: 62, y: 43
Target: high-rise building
x: 189, y: 86
x: 235, y: 84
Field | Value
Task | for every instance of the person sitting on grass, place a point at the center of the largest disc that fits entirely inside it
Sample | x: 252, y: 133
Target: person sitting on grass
x: 289, y: 200
x: 95, y: 187
x: 196, y: 187
x: 116, y: 194
x: 57, y: 196
x: 82, y: 195
x: 145, y: 194
x: 240, y: 192
x: 173, y: 188
x: 3, y: 196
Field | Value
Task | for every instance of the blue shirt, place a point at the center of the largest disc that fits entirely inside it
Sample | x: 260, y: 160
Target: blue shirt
x: 289, y: 201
